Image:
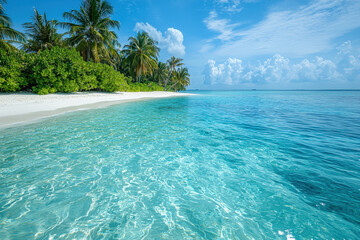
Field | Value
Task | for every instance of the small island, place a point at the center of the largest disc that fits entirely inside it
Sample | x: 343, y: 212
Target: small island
x: 86, y: 57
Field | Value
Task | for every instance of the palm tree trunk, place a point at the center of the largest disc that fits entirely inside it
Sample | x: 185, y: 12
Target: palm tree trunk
x: 165, y: 84
x: 139, y: 74
x: 168, y: 81
x: 174, y: 85
x: 88, y: 54
x: 95, y: 53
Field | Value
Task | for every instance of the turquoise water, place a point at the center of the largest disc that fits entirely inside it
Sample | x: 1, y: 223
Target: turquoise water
x: 219, y: 165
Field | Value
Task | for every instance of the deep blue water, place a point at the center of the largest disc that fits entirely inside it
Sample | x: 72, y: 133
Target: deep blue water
x: 219, y: 165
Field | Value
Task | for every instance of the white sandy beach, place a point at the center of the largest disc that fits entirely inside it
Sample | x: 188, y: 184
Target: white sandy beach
x: 20, y: 108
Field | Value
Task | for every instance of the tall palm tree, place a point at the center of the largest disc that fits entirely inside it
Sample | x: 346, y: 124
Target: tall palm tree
x: 182, y: 79
x: 90, y: 31
x: 174, y: 63
x: 42, y: 33
x: 161, y: 74
x: 141, y: 55
x: 7, y: 34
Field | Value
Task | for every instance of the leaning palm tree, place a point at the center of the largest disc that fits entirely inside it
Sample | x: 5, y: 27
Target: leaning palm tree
x: 173, y: 64
x: 7, y: 34
x: 42, y: 33
x: 141, y: 55
x: 89, y: 30
x: 181, y: 79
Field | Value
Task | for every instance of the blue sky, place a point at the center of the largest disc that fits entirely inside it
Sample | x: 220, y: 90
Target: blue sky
x: 240, y: 44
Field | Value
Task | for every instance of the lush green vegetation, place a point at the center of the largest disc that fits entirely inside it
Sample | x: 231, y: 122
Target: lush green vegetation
x: 7, y: 34
x: 87, y: 57
x: 57, y: 70
x: 13, y: 71
x: 42, y: 34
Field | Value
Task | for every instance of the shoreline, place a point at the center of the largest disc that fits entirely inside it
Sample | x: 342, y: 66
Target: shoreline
x: 25, y: 108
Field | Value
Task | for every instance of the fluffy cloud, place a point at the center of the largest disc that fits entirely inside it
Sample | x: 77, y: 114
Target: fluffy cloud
x: 228, y: 73
x: 309, y: 29
x: 278, y: 69
x: 171, y: 40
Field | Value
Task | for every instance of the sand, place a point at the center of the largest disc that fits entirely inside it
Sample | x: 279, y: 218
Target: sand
x: 23, y: 108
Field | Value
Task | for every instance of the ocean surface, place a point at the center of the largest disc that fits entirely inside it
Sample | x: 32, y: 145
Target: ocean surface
x: 218, y: 165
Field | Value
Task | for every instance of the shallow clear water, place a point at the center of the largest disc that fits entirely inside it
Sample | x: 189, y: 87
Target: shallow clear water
x: 220, y: 165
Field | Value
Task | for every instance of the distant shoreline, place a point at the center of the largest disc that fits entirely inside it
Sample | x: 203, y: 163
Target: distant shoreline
x: 23, y: 108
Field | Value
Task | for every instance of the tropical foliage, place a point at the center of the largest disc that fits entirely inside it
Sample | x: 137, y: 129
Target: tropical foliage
x: 57, y: 70
x: 174, y: 63
x: 12, y: 70
x: 141, y: 55
x: 86, y: 57
x: 181, y: 79
x: 161, y: 74
x: 42, y: 33
x: 7, y: 34
x: 89, y: 30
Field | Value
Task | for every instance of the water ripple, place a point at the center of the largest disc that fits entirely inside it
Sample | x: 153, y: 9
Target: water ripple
x: 222, y: 165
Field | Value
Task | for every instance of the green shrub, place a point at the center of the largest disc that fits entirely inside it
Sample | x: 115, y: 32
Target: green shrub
x: 156, y: 87
x: 108, y: 78
x: 62, y: 70
x: 12, y: 67
x: 144, y: 87
x: 134, y: 87
x: 57, y: 69
x: 86, y: 79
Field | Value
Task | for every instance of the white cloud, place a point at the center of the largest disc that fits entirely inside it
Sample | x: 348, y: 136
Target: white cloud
x: 230, y: 5
x: 279, y: 69
x: 310, y: 29
x: 349, y: 60
x: 221, y: 26
x: 172, y: 40
x: 228, y: 73
x: 146, y: 27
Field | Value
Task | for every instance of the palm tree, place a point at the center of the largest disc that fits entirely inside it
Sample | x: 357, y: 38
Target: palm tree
x: 174, y: 63
x: 42, y: 32
x: 161, y: 74
x: 121, y: 64
x: 7, y: 34
x: 90, y: 30
x: 141, y: 55
x: 3, y: 18
x: 182, y: 79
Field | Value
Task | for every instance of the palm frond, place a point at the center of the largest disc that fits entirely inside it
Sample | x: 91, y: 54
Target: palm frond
x: 42, y: 33
x: 89, y: 29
